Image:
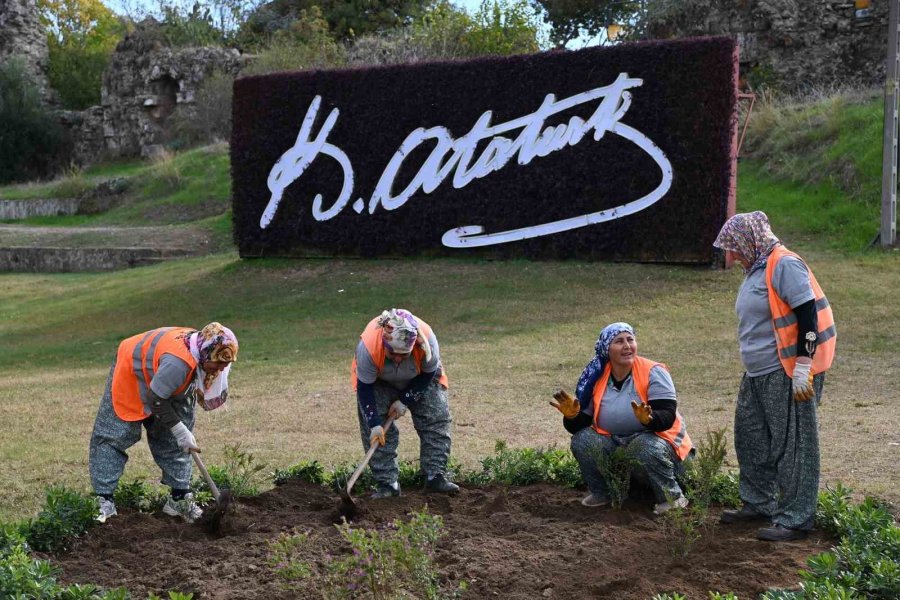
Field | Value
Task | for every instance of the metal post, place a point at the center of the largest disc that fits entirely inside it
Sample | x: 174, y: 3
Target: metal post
x: 889, y: 156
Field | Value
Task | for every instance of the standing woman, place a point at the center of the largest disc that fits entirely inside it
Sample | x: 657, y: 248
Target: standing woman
x: 787, y: 339
x: 155, y: 381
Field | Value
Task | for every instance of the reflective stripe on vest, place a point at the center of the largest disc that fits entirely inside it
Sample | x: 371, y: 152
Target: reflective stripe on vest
x: 137, y: 360
x: 371, y: 337
x: 784, y: 320
x: 676, y: 435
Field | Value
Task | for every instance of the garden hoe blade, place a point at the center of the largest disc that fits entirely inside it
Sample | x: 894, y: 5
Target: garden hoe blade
x: 214, y: 518
x: 348, y: 508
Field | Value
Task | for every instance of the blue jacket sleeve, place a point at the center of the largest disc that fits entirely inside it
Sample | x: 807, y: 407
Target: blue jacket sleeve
x: 365, y: 395
x: 416, y: 386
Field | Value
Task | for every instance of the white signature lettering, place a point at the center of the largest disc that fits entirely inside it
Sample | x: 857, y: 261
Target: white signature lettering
x: 534, y: 140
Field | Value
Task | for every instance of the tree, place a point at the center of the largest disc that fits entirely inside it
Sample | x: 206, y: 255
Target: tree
x: 81, y: 35
x: 570, y: 19
x: 32, y: 142
x: 503, y: 27
x: 346, y: 18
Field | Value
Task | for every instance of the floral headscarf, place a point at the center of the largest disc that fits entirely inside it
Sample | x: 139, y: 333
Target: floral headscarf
x: 749, y: 235
x: 594, y: 369
x: 216, y: 343
x: 400, y: 330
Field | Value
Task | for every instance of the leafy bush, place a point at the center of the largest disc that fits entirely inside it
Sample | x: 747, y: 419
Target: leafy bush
x: 240, y: 474
x: 283, y: 557
x: 616, y: 468
x: 389, y: 562
x: 139, y: 496
x: 702, y: 472
x: 66, y: 515
x: 525, y: 466
x: 32, y: 143
x: 24, y: 577
x: 306, y: 470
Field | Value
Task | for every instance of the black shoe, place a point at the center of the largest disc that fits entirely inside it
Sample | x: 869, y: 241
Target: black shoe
x: 745, y: 515
x: 439, y: 485
x: 779, y: 533
x: 386, y: 490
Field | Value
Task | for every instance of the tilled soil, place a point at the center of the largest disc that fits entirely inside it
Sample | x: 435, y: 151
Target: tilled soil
x: 520, y: 542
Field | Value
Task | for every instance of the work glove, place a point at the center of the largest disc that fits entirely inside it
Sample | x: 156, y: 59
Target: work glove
x: 802, y: 380
x: 376, y: 436
x: 185, y: 438
x: 565, y: 404
x: 397, y: 410
x: 642, y: 411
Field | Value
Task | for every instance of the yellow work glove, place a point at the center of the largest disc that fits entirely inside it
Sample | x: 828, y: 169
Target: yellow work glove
x: 802, y: 380
x: 565, y: 404
x: 376, y: 436
x: 642, y: 411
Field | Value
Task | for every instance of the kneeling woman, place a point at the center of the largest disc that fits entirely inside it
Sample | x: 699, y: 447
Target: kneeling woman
x: 623, y: 399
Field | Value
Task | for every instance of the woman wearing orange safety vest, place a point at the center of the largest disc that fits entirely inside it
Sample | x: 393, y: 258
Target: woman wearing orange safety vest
x: 625, y: 400
x: 154, y: 383
x: 787, y: 339
x: 397, y: 367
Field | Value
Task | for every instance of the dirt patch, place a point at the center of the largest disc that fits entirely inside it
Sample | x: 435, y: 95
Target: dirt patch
x: 523, y: 542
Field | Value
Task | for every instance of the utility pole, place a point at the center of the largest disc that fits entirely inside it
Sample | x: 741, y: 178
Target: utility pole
x: 891, y: 109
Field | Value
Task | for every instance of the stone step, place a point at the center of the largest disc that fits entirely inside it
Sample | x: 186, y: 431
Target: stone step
x: 26, y: 259
x: 37, y: 207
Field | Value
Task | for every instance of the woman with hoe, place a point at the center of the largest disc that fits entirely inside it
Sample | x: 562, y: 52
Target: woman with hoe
x: 623, y: 399
x: 156, y: 379
x: 397, y: 367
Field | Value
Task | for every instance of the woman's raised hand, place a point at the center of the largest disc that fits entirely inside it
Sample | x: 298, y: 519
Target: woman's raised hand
x: 642, y: 411
x: 565, y: 404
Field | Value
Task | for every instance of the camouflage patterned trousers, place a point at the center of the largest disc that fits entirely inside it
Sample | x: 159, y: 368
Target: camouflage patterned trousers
x: 776, y: 440
x: 659, y: 465
x: 431, y: 419
x: 112, y: 437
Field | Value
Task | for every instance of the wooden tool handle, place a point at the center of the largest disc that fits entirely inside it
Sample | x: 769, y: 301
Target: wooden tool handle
x: 209, y: 481
x: 372, y: 448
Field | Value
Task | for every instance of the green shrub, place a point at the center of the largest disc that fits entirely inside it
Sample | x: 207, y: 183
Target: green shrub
x: 66, y: 515
x: 306, y: 470
x: 526, y: 466
x: 702, y: 472
x: 139, y: 496
x: 616, y: 468
x: 386, y: 563
x: 283, y: 557
x: 240, y: 474
x: 32, y: 143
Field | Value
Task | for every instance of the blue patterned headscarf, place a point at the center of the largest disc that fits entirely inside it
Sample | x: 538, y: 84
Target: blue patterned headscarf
x: 585, y: 388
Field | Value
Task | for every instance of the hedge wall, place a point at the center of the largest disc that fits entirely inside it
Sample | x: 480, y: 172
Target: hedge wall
x: 685, y: 104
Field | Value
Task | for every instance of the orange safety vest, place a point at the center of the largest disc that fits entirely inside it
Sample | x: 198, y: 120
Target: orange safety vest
x: 784, y: 321
x: 676, y: 435
x: 136, y: 363
x: 371, y: 337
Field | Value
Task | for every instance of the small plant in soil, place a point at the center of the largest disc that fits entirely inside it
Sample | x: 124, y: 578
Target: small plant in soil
x: 240, y: 474
x: 616, y: 468
x: 139, y: 496
x: 283, y: 557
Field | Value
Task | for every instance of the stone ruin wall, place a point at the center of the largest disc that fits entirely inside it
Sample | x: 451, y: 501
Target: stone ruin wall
x: 145, y: 87
x: 21, y: 35
x: 796, y: 44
